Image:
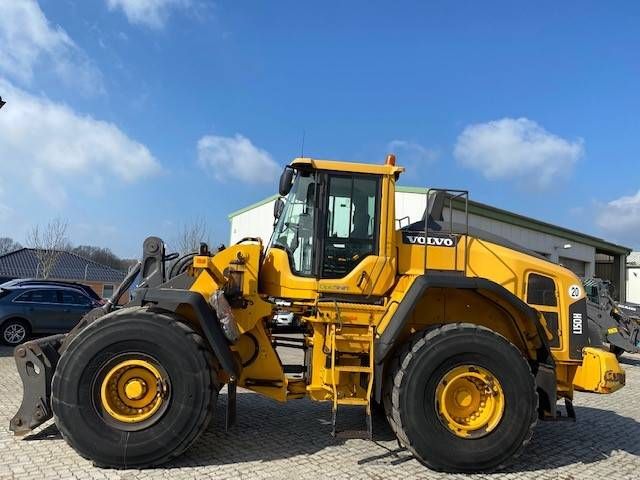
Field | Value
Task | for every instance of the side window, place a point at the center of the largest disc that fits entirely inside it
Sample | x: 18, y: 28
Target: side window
x: 73, y: 298
x: 294, y: 232
x: 592, y: 293
x: 107, y: 291
x: 39, y: 296
x: 541, y: 290
x: 351, y: 230
x: 25, y: 297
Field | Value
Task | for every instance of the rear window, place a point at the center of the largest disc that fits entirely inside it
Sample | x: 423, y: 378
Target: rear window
x: 74, y: 298
x: 541, y: 290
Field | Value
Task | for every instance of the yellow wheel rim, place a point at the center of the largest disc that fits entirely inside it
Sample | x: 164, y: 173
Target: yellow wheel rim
x: 470, y: 401
x: 132, y: 391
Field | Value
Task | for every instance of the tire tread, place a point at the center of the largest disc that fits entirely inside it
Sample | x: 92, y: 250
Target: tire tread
x: 181, y: 328
x: 401, y: 361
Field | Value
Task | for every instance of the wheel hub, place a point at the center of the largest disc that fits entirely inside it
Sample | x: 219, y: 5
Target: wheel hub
x: 132, y: 391
x: 470, y: 401
x: 135, y: 389
x: 14, y: 333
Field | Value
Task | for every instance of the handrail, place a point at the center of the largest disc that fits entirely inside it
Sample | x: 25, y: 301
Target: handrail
x: 451, y: 195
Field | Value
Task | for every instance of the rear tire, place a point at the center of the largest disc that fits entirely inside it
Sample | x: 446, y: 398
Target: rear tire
x: 412, y: 404
x: 188, y: 394
x: 14, y: 332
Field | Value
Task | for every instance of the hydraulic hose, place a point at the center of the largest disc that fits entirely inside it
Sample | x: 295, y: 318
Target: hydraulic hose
x: 181, y: 264
x: 123, y: 287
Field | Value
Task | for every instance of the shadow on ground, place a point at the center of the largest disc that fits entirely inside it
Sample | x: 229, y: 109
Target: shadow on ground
x: 626, y: 360
x: 593, y: 437
x: 6, y: 351
x: 266, y: 431
x: 49, y: 432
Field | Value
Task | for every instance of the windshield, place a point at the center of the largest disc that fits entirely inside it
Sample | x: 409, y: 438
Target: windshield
x: 294, y: 230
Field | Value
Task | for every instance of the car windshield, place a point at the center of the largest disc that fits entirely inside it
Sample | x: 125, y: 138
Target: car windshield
x: 294, y: 229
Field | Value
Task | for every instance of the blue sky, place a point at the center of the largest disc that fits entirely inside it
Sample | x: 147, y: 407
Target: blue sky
x: 132, y: 117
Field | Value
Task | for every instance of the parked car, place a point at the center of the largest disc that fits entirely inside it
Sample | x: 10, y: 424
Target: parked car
x: 35, y: 281
x: 38, y: 308
x: 284, y: 319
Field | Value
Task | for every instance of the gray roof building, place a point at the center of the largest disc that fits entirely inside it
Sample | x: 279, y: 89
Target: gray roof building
x: 24, y: 263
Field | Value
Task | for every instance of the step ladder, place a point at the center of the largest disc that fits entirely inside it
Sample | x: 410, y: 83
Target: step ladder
x: 337, y: 368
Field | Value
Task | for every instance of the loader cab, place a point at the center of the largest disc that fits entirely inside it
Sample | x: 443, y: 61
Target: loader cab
x: 333, y: 231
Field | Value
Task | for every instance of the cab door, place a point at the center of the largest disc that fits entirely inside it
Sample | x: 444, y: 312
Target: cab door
x: 353, y: 257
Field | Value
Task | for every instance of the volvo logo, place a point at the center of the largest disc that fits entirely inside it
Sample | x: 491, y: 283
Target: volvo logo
x: 415, y: 238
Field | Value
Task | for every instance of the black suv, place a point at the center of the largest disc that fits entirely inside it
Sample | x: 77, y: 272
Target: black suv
x: 41, y: 307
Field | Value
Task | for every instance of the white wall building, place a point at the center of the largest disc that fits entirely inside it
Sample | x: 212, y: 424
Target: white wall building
x: 633, y: 277
x: 586, y: 255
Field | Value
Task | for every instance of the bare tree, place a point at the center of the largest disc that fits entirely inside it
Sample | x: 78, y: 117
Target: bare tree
x: 191, y: 235
x: 8, y: 245
x: 49, y: 242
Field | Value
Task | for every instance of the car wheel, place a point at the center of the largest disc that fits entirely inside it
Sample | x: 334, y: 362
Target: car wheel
x: 14, y: 332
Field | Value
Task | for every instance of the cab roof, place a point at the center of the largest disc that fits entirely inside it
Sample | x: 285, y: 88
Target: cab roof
x: 351, y: 167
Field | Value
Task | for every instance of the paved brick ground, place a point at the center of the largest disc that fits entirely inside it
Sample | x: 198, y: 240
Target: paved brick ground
x: 293, y: 441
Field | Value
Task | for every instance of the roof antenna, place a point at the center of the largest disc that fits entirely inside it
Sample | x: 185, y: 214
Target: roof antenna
x: 304, y: 132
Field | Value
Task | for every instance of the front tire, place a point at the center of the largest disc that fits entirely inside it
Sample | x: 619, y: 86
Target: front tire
x: 14, y: 332
x: 134, y: 389
x: 461, y: 398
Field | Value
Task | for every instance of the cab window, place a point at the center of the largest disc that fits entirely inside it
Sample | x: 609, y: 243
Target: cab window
x: 592, y: 293
x: 351, y: 227
x: 294, y: 230
x: 541, y: 290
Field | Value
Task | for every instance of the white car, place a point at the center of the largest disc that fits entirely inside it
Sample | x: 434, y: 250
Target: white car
x: 284, y: 319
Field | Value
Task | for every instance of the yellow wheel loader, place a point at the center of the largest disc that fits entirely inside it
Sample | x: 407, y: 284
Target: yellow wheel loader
x: 464, y: 339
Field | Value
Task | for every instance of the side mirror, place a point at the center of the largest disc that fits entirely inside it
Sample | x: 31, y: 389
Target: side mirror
x: 278, y: 206
x: 286, y: 181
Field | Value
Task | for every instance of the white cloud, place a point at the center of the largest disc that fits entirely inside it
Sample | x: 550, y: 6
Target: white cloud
x: 411, y: 152
x: 49, y: 148
x: 236, y: 158
x: 621, y: 217
x: 512, y: 148
x: 29, y: 42
x: 150, y: 13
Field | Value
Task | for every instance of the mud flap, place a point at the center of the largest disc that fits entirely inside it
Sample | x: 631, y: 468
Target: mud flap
x: 36, y: 361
